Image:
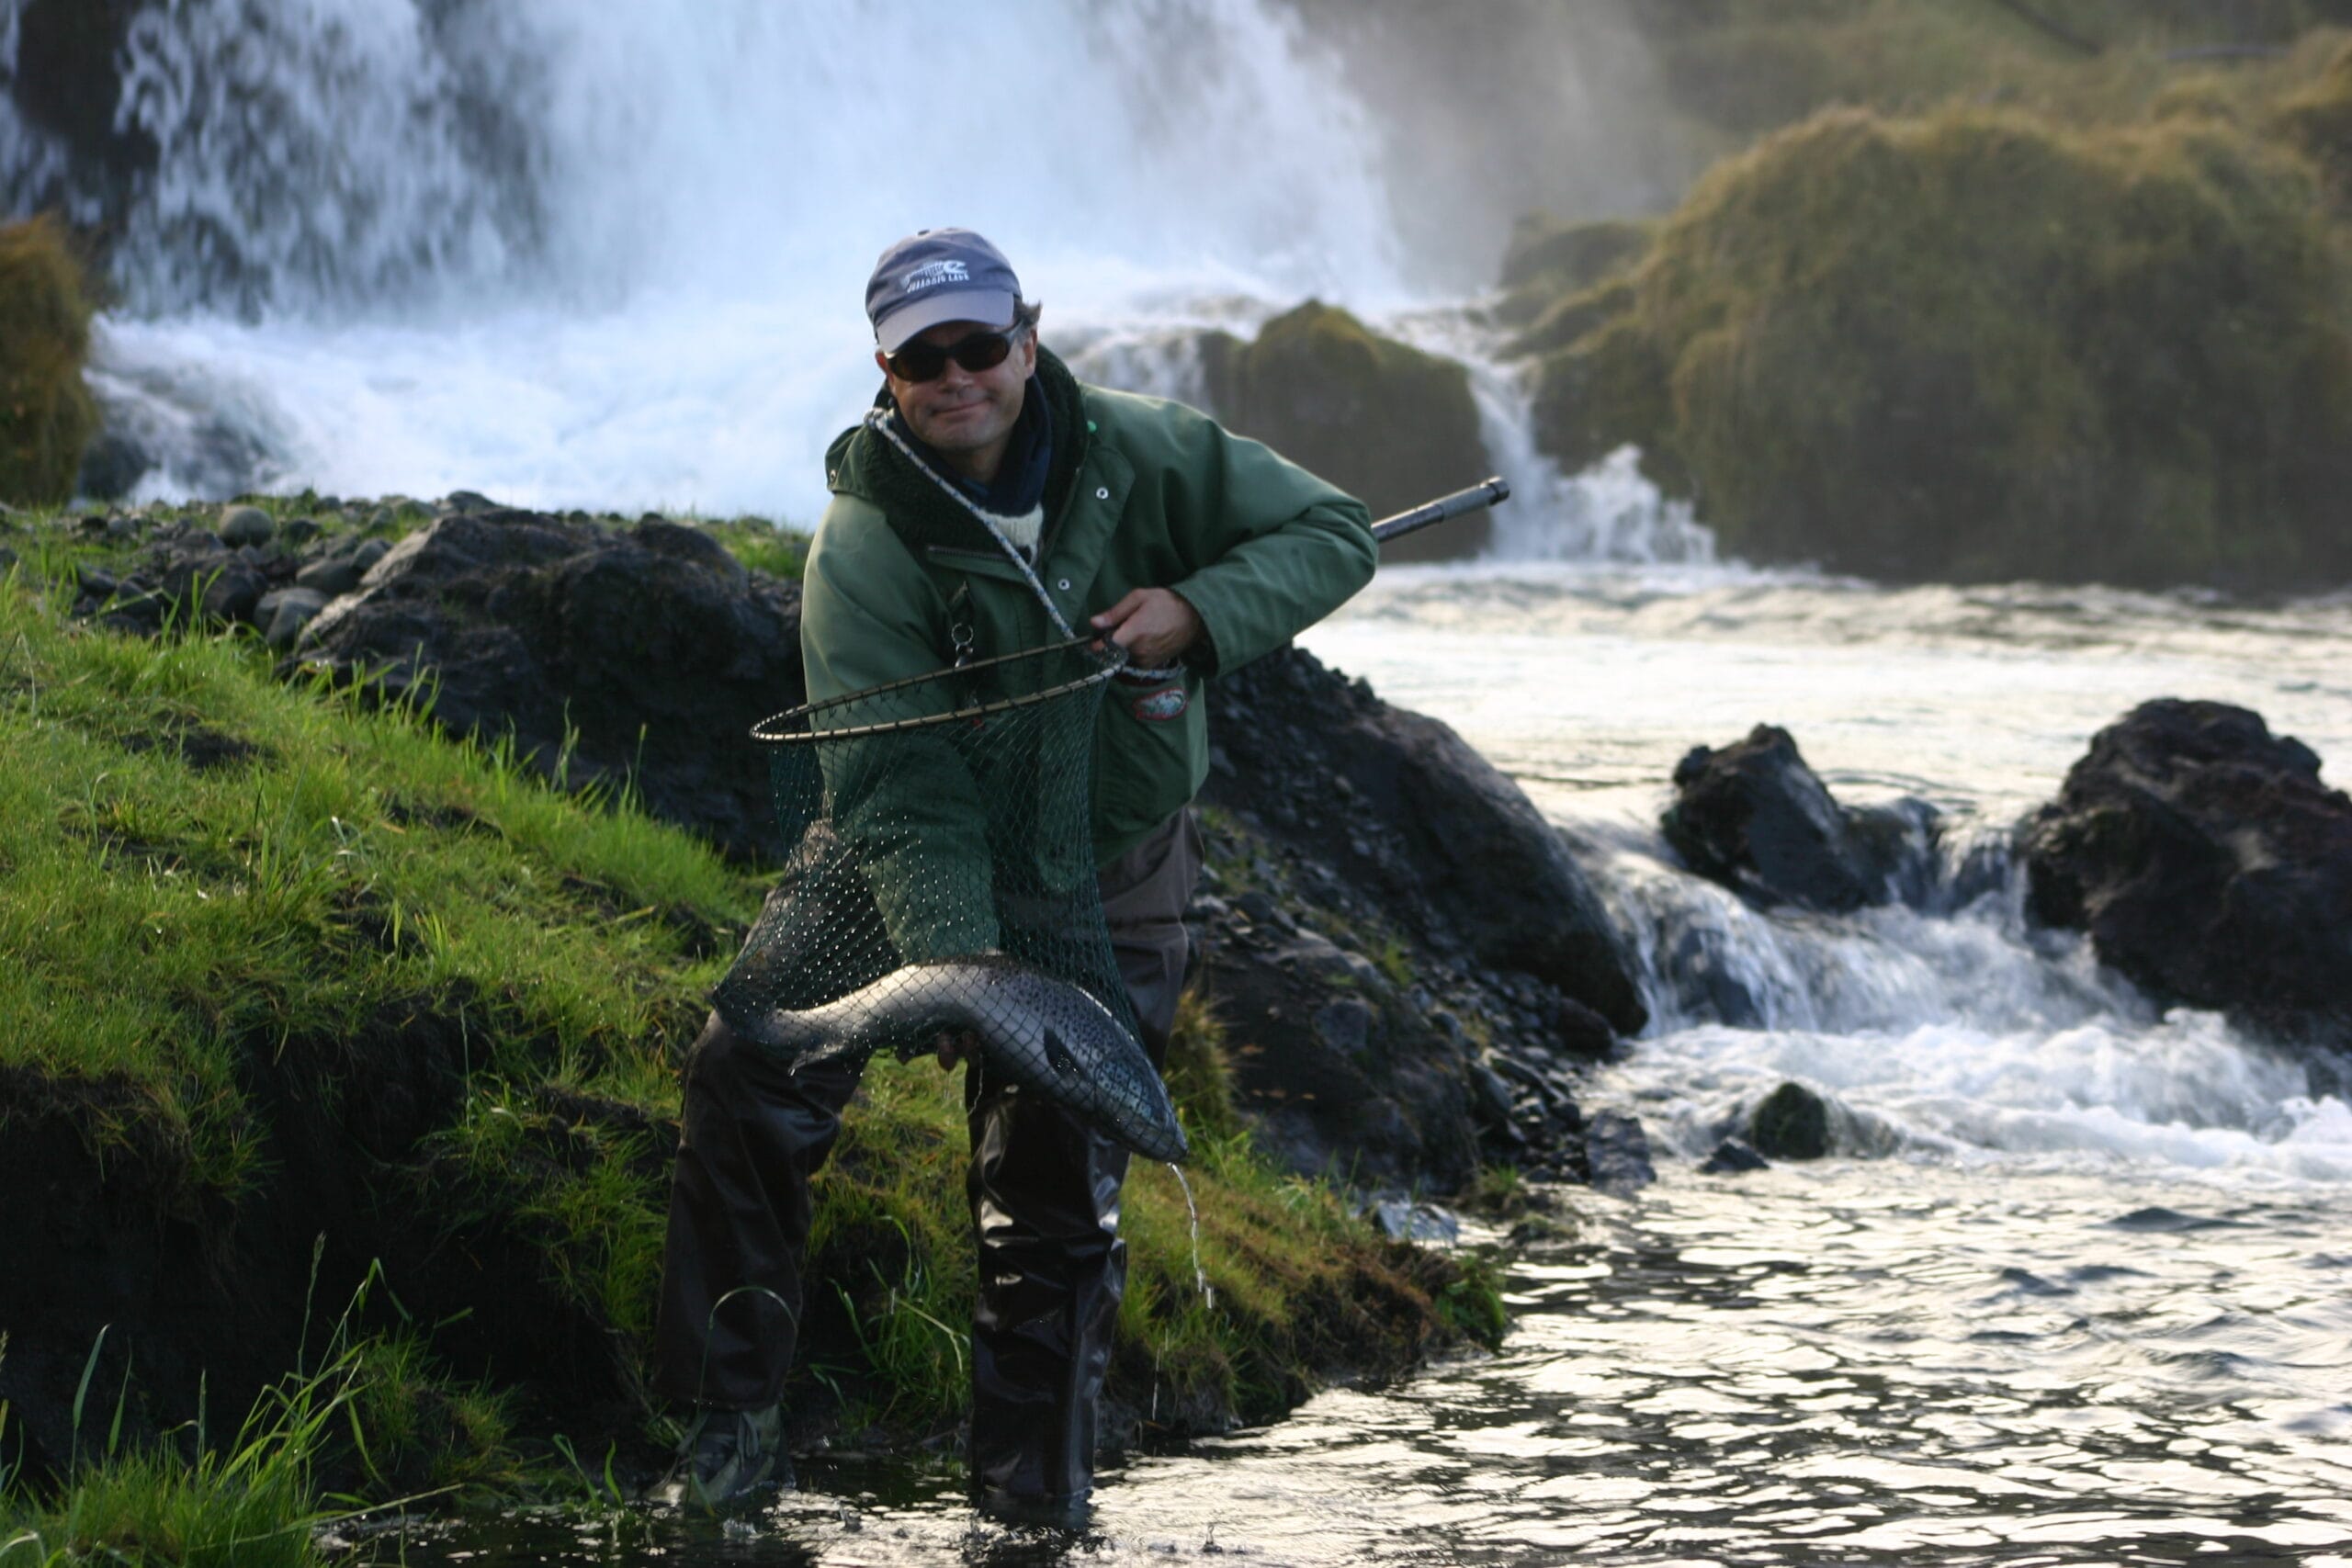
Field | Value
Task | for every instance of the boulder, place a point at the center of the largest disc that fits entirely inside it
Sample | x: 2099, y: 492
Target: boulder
x: 1338, y: 1073
x: 46, y: 412
x: 1434, y: 836
x: 1790, y: 1122
x: 2209, y: 863
x: 651, y: 642
x: 1378, y: 418
x: 1755, y: 818
x: 2118, y: 354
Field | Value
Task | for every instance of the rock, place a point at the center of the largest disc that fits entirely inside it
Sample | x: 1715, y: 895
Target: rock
x: 1998, y: 381
x: 1791, y: 1122
x: 1575, y: 254
x: 1378, y: 418
x: 1433, y: 833
x: 1731, y: 1158
x: 299, y: 531
x: 1753, y: 817
x: 246, y: 525
x: 1403, y: 1219
x: 196, y: 571
x: 2209, y: 863
x: 651, y: 641
x: 335, y: 574
x: 465, y: 501
x: 283, y: 612
x: 1617, y: 1154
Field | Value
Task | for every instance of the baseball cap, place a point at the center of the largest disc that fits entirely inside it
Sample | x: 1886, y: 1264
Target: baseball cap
x: 935, y: 276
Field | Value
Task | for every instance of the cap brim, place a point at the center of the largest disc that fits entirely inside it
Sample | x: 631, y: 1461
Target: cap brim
x: 988, y: 307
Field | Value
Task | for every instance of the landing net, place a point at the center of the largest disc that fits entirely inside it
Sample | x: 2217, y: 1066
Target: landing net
x: 940, y: 817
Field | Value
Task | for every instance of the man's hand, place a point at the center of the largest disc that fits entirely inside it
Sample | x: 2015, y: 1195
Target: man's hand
x: 1154, y: 625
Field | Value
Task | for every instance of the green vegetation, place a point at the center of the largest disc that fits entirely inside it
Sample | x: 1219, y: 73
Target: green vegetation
x: 760, y: 544
x: 1741, y: 68
x: 1378, y: 418
x: 368, y: 1406
x: 249, y: 921
x: 1979, y: 344
x: 46, y: 414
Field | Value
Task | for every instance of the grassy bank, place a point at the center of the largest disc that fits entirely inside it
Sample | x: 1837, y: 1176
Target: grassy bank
x: 306, y: 1003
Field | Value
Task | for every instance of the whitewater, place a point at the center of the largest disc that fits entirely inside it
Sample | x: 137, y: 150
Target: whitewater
x: 2076, y: 1284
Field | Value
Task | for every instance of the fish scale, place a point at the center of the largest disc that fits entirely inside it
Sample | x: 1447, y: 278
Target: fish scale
x: 1045, y: 1034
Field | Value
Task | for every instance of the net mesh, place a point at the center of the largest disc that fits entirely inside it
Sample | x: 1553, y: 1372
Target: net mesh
x: 942, y: 818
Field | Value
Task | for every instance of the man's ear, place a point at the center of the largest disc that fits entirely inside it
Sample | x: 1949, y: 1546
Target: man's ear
x: 1029, y: 352
x: 882, y: 362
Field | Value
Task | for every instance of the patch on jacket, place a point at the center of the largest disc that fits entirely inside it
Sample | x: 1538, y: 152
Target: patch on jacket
x: 1167, y: 703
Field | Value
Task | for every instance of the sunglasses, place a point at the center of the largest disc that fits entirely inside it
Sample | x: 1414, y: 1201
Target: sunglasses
x: 979, y: 352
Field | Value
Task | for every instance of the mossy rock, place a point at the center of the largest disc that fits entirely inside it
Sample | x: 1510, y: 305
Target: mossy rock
x: 46, y: 412
x: 1573, y: 317
x: 1378, y: 418
x: 2319, y: 120
x: 1978, y: 346
x: 1609, y: 389
x: 1578, y: 255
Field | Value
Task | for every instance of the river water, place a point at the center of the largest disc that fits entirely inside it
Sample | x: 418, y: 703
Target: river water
x: 2075, y: 1287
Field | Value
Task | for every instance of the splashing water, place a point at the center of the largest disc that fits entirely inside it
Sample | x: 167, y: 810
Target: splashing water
x: 1200, y: 1276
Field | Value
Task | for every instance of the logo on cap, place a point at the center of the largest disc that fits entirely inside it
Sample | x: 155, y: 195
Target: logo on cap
x: 929, y: 273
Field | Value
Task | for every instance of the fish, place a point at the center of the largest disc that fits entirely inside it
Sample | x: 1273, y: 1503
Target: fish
x: 1046, y: 1035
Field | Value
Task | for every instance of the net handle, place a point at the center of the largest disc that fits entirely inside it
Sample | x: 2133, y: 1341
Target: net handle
x: 766, y: 731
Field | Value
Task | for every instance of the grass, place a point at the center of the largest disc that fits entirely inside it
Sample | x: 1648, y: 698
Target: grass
x: 371, y: 1405
x: 210, y: 878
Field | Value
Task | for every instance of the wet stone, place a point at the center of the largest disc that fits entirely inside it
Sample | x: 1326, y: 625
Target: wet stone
x: 1793, y: 1123
x: 1732, y: 1156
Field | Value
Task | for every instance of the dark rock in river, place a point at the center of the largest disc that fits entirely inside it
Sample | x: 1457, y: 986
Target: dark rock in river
x: 1617, y: 1154
x: 2209, y: 863
x: 1755, y: 818
x: 1790, y: 1122
x: 651, y: 642
x: 1404, y: 809
x: 1732, y: 1157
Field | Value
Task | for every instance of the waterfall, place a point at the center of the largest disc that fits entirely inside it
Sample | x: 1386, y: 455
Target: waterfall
x: 615, y: 256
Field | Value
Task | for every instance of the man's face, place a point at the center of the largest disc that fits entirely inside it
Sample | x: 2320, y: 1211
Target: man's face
x: 966, y: 412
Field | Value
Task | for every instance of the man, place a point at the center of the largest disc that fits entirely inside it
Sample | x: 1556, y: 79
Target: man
x: 991, y: 503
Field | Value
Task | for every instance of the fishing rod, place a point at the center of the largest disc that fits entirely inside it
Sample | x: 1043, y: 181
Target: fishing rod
x: 1478, y: 498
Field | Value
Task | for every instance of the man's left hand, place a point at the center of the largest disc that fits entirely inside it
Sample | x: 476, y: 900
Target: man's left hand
x: 1154, y: 625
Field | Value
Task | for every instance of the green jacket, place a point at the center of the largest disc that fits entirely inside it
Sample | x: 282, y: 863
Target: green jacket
x: 1142, y: 494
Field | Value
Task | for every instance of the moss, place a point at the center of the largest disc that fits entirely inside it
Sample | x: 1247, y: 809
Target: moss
x: 1978, y: 345
x: 1378, y: 418
x: 1570, y: 318
x: 46, y: 412
x: 1609, y: 389
x: 2318, y: 120
x: 1745, y: 67
x: 1550, y: 261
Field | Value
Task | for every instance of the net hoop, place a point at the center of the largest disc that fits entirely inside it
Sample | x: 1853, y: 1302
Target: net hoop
x: 797, y: 727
